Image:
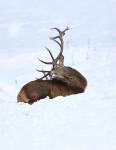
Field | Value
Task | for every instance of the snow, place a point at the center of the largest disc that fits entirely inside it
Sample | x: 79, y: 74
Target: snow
x: 79, y: 122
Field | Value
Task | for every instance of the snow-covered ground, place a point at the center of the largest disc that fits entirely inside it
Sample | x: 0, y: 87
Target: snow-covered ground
x: 78, y: 122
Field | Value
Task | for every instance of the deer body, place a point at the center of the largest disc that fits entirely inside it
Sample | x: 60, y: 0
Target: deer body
x: 68, y: 83
x: 62, y: 80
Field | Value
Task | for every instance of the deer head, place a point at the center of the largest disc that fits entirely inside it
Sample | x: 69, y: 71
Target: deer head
x: 59, y: 81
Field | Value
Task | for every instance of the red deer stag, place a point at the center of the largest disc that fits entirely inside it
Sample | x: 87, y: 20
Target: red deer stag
x: 59, y: 81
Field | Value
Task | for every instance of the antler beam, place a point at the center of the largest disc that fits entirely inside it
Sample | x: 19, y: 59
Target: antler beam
x: 60, y: 57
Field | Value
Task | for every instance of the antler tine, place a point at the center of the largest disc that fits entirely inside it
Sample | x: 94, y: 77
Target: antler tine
x: 54, y: 39
x: 61, y: 44
x: 46, y: 73
x: 50, y: 53
x: 57, y: 30
x: 48, y: 63
x: 45, y: 76
x: 61, y: 32
x: 43, y: 71
x: 67, y: 28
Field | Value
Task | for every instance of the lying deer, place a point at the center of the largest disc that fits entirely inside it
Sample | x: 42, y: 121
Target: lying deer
x: 59, y: 81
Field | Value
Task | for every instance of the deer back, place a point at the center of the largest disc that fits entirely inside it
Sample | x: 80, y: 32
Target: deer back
x: 73, y: 78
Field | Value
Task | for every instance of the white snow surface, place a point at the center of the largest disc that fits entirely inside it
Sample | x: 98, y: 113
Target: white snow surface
x: 79, y: 122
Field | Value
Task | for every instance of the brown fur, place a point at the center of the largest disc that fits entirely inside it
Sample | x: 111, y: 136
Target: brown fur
x: 39, y: 89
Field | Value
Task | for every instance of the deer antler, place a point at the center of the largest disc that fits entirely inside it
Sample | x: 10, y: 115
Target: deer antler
x: 60, y: 57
